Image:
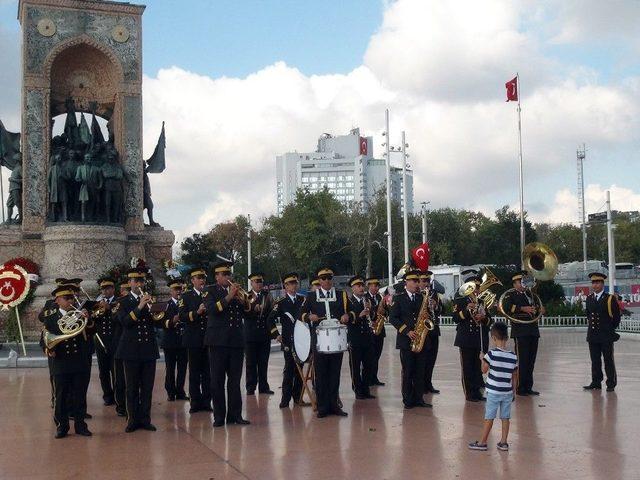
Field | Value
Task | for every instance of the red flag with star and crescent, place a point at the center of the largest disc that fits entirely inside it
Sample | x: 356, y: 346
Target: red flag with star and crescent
x: 420, y: 256
x: 512, y: 90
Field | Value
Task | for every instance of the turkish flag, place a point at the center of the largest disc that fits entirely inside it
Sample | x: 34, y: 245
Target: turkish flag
x: 363, y: 146
x: 512, y: 90
x: 420, y: 256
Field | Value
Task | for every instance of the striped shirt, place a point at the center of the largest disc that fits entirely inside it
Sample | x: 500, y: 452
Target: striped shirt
x: 502, y: 364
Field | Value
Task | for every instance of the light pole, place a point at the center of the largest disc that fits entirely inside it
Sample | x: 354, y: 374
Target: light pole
x: 611, y: 247
x: 424, y: 221
x: 388, y: 165
x: 405, y: 217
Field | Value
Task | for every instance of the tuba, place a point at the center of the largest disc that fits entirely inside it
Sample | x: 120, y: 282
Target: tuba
x: 71, y: 325
x: 424, y: 324
x: 542, y: 263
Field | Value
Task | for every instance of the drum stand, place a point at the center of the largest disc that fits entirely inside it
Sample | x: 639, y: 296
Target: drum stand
x: 306, y: 375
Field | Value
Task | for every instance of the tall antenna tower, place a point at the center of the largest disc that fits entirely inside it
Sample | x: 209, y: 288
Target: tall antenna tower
x: 581, y: 154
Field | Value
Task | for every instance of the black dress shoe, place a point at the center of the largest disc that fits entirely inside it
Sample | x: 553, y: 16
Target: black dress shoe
x: 424, y: 404
x: 194, y: 409
x: 433, y: 390
x: 150, y: 427
x: 171, y: 398
x: 408, y: 406
x: 182, y: 396
x: 611, y: 389
x: 61, y: 433
x: 121, y: 413
x: 361, y: 396
x: 84, y: 432
x: 379, y: 383
x: 239, y: 421
x: 206, y: 408
x: 482, y: 399
x: 339, y: 412
x: 249, y: 392
x: 593, y: 386
x: 522, y: 394
x: 368, y: 395
x: 533, y: 392
x: 131, y: 428
x: 266, y: 392
x: 108, y: 402
x: 88, y: 415
x: 284, y: 404
x: 322, y: 414
x: 218, y: 423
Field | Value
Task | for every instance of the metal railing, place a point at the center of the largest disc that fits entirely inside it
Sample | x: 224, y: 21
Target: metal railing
x: 630, y: 324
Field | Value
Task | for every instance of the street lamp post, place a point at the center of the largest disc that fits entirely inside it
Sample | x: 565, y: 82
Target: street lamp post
x: 388, y: 165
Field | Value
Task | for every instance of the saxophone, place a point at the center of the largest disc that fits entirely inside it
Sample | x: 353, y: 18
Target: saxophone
x: 381, y: 317
x: 424, y: 324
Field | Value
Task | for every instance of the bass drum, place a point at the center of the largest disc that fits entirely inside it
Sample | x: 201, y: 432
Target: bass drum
x: 301, y: 341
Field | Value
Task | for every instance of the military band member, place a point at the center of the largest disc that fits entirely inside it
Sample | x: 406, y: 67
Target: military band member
x: 314, y: 285
x: 287, y: 309
x: 70, y: 366
x: 175, y: 355
x: 603, y: 313
x: 433, y: 337
x: 138, y: 350
x: 472, y: 333
x: 193, y: 315
x: 403, y: 316
x: 327, y: 366
x: 520, y: 304
x: 360, y: 339
x: 257, y: 336
x: 225, y: 339
x: 119, y: 388
x: 374, y: 297
x: 104, y: 331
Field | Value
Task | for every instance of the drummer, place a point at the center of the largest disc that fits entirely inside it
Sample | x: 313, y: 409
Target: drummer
x: 286, y: 310
x: 327, y: 366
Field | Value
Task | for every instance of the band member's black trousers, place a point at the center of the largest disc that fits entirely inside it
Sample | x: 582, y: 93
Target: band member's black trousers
x: 526, y: 350
x: 431, y: 348
x: 199, y: 377
x: 361, y: 363
x: 119, y: 387
x: 257, y: 354
x: 327, y: 368
x: 599, y: 351
x: 69, y: 388
x: 226, y: 367
x: 291, y: 381
x: 175, y: 361
x: 140, y: 376
x: 378, y: 344
x: 105, y: 369
x: 472, y: 381
x: 412, y: 376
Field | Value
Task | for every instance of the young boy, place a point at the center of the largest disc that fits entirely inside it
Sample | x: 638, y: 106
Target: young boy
x: 502, y: 365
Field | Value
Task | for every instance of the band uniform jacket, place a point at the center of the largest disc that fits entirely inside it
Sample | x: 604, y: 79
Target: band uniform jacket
x: 280, y: 309
x: 437, y: 311
x: 172, y: 334
x: 375, y: 302
x: 71, y: 355
x: 256, y: 325
x: 467, y: 329
x: 195, y: 325
x: 604, y: 318
x: 138, y: 339
x: 359, y: 328
x: 104, y: 325
x: 512, y: 304
x: 403, y: 316
x: 314, y: 304
x: 225, y: 319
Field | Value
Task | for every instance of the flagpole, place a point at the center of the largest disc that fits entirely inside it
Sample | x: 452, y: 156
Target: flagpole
x: 522, y: 234
x: 2, y: 195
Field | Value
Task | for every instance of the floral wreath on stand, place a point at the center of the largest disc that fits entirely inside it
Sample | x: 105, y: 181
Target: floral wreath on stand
x: 33, y: 272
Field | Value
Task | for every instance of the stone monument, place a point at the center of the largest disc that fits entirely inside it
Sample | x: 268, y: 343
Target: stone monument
x: 82, y: 194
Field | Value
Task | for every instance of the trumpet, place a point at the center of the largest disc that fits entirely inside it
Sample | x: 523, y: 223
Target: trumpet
x: 242, y: 295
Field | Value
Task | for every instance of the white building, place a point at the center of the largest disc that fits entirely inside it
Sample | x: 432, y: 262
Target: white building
x: 345, y: 165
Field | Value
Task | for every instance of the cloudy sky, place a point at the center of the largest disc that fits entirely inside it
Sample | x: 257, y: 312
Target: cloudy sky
x: 240, y: 82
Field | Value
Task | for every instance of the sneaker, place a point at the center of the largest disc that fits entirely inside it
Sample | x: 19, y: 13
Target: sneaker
x: 478, y: 446
x: 503, y: 446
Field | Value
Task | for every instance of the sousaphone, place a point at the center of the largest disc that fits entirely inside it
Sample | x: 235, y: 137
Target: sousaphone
x: 542, y: 264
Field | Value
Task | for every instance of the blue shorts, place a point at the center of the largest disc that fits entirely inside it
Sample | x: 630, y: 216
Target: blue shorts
x: 495, y: 400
